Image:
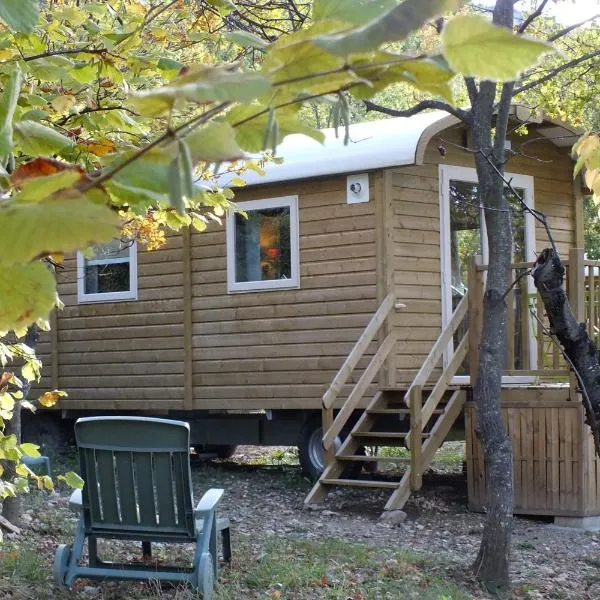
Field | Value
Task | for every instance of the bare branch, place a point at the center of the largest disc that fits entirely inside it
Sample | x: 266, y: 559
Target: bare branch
x: 93, y: 110
x: 552, y: 73
x: 533, y: 16
x: 502, y: 120
x: 463, y: 115
x: 66, y: 51
x: 471, y: 89
x: 570, y: 28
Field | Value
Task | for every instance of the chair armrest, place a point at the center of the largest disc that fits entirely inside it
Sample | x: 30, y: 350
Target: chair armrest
x: 208, y: 502
x: 75, y: 501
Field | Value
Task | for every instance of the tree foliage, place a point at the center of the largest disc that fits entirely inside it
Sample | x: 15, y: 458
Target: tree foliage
x: 116, y: 119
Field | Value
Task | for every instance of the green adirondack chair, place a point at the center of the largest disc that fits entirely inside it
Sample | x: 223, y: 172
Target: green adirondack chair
x: 138, y: 487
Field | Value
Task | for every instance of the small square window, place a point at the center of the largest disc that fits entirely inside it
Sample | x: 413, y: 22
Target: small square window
x: 262, y: 248
x: 110, y: 274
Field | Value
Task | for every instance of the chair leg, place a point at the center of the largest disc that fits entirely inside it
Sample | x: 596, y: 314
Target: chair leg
x: 146, y: 550
x: 76, y: 551
x: 226, y: 539
x: 213, y: 546
x: 93, y: 550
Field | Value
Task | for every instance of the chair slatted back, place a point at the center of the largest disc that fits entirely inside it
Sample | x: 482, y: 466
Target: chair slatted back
x: 137, y: 477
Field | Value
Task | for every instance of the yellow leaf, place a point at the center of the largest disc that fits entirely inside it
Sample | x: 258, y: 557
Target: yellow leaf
x: 57, y: 224
x: 63, y: 103
x: 101, y: 147
x: 27, y: 292
x: 49, y: 399
x: 475, y: 47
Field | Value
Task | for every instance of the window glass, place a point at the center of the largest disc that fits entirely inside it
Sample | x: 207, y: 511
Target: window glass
x: 262, y: 245
x: 108, y: 272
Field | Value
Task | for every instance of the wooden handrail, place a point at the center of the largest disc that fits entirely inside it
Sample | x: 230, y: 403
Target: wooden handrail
x: 359, y: 389
x: 440, y: 345
x: 440, y: 387
x: 359, y: 349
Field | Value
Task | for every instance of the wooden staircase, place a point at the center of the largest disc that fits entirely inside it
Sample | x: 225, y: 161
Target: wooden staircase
x: 391, y: 419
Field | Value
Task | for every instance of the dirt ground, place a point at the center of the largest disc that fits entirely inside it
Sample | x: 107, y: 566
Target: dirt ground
x: 264, y: 501
x: 547, y: 561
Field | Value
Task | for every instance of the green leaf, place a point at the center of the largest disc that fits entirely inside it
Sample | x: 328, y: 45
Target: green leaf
x: 296, y: 57
x: 245, y: 39
x: 169, y: 64
x: 35, y: 115
x: 32, y: 450
x: 223, y: 6
x: 350, y: 11
x: 430, y: 75
x: 8, y: 105
x: 20, y: 15
x: 27, y: 292
x: 215, y: 142
x: 187, y: 169
x: 117, y: 38
x: 203, y: 84
x: 36, y: 139
x: 72, y: 480
x: 53, y: 226
x: 36, y: 189
x: 392, y: 26
x: 175, y: 186
x: 477, y: 48
x: 250, y: 129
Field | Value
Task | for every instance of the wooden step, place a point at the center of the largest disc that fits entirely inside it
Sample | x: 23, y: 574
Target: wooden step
x: 355, y: 458
x: 397, y: 411
x: 390, y: 485
x: 392, y: 435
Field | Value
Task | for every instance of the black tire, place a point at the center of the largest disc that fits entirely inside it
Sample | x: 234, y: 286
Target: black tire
x: 311, y: 456
x: 222, y: 451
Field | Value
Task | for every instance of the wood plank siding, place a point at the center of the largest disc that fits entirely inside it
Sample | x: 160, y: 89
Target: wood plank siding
x: 282, y: 348
x: 121, y: 355
x: 412, y: 223
x: 555, y: 468
x: 188, y: 343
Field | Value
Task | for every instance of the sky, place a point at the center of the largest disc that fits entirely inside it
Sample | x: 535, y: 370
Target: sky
x: 567, y: 12
x: 574, y: 11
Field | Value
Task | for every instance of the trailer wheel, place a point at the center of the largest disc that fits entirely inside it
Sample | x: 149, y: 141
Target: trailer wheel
x: 222, y: 450
x: 311, y: 455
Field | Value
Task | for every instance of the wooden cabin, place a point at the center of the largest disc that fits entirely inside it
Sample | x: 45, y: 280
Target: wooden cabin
x: 348, y: 287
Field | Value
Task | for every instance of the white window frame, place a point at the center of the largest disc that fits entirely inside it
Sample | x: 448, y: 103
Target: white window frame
x: 131, y: 294
x: 448, y: 173
x: 234, y: 286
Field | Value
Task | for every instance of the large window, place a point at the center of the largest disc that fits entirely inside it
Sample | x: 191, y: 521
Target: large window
x: 108, y: 274
x: 262, y: 245
x: 463, y: 234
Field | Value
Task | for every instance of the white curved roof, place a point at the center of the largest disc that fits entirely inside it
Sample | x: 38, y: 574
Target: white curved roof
x: 372, y: 145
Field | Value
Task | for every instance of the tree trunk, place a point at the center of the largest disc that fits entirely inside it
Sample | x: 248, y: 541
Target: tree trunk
x: 11, y: 507
x: 548, y: 276
x: 491, y: 566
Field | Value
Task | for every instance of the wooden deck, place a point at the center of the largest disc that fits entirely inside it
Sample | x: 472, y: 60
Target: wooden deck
x: 555, y: 469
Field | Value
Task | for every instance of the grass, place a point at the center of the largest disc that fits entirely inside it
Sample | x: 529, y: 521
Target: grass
x: 448, y: 459
x: 275, y: 568
x: 335, y: 569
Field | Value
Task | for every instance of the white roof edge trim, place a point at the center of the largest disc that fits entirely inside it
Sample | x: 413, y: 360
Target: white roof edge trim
x: 394, y: 142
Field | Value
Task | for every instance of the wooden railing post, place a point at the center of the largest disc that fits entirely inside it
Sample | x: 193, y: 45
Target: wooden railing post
x: 476, y: 284
x: 328, y: 453
x: 416, y: 439
x: 576, y: 282
x: 576, y: 293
